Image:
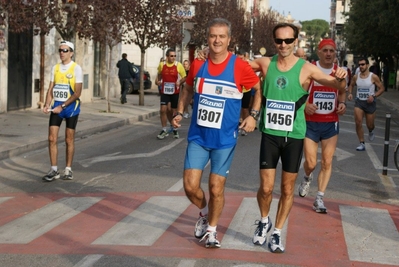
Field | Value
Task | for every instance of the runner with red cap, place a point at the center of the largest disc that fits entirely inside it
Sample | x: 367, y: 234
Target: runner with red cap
x: 322, y: 125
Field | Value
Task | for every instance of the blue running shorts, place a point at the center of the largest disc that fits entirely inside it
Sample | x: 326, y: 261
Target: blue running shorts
x: 318, y: 131
x: 197, y: 157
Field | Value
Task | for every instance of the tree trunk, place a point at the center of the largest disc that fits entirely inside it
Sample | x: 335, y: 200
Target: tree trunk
x: 141, y: 97
x: 108, y: 79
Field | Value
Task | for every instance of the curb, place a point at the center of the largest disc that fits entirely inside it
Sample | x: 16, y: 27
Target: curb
x: 79, y: 134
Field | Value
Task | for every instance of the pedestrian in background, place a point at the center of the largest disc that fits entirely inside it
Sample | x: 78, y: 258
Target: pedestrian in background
x: 125, y: 74
x: 212, y: 136
x: 62, y: 100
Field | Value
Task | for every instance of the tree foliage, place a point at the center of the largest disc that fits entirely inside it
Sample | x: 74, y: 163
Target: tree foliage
x: 263, y: 32
x: 373, y: 29
x: 205, y: 11
x: 316, y: 28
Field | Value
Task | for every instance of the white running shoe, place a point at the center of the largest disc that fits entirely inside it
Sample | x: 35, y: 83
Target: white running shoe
x: 261, y: 231
x: 371, y: 136
x: 361, y: 147
x: 318, y: 206
x: 275, y: 244
x: 211, y: 241
x: 201, y: 226
x: 304, y: 187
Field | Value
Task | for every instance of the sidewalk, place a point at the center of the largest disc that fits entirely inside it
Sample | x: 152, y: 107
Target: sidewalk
x: 27, y: 130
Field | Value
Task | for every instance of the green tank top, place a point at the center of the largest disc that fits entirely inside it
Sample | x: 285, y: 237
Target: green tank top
x: 283, y: 106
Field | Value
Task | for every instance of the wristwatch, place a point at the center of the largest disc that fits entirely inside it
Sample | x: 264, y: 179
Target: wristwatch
x: 254, y: 114
x: 63, y: 106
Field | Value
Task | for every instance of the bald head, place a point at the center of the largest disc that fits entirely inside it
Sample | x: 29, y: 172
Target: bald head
x: 300, y: 52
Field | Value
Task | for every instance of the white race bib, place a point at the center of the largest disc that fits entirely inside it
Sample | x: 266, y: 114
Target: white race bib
x: 210, y: 112
x: 363, y: 93
x: 325, y: 102
x: 61, y: 92
x: 169, y: 88
x: 279, y: 115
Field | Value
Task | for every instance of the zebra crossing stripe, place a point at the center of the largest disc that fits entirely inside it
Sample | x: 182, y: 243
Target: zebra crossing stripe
x: 4, y: 199
x: 239, y: 234
x: 370, y: 235
x: 147, y: 223
x: 29, y: 227
x: 89, y: 260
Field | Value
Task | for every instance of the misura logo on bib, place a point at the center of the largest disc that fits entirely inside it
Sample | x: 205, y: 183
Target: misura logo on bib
x: 280, y: 105
x: 281, y: 82
x: 211, y: 102
x: 325, y: 95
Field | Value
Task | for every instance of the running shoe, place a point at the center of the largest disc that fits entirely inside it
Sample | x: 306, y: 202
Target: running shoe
x: 51, y: 176
x: 162, y: 135
x: 361, y: 147
x: 275, y: 244
x: 201, y: 226
x: 210, y: 240
x: 371, y: 136
x: 68, y: 175
x: 186, y: 115
x: 243, y: 132
x: 261, y: 231
x: 175, y: 134
x: 318, y: 206
x: 303, y: 189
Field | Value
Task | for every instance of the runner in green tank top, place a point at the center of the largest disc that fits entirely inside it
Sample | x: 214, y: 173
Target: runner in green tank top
x: 283, y: 126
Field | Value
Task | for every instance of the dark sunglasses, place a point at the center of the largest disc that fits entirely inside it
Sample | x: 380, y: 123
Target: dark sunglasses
x: 172, y: 56
x: 63, y: 50
x: 287, y: 41
x: 362, y: 64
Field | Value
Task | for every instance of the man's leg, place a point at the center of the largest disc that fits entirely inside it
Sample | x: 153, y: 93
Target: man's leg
x: 310, y: 152
x: 52, y: 144
x: 370, y: 118
x: 327, y: 151
x: 286, y: 198
x: 126, y: 84
x: 359, y: 114
x: 216, y: 198
x: 283, y: 209
x: 192, y: 187
x: 70, y: 145
x: 328, y: 147
x: 265, y: 191
x: 164, y: 120
x: 53, y: 153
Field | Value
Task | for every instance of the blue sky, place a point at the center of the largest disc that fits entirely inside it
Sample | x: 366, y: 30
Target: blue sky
x: 303, y: 9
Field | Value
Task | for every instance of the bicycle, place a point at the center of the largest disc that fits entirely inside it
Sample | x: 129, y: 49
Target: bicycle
x: 395, y: 155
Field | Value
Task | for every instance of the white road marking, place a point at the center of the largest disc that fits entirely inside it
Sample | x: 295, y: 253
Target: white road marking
x: 186, y: 263
x: 370, y: 234
x: 239, y: 234
x: 147, y: 223
x: 89, y: 260
x: 29, y: 227
x: 115, y: 156
x: 4, y: 199
x: 341, y: 154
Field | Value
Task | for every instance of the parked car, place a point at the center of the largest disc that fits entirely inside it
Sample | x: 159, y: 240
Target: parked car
x: 135, y: 84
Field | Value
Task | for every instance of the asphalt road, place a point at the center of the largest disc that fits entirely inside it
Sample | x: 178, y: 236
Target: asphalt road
x: 126, y: 179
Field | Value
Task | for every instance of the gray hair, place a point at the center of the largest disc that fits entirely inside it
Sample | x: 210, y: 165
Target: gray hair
x: 219, y: 22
